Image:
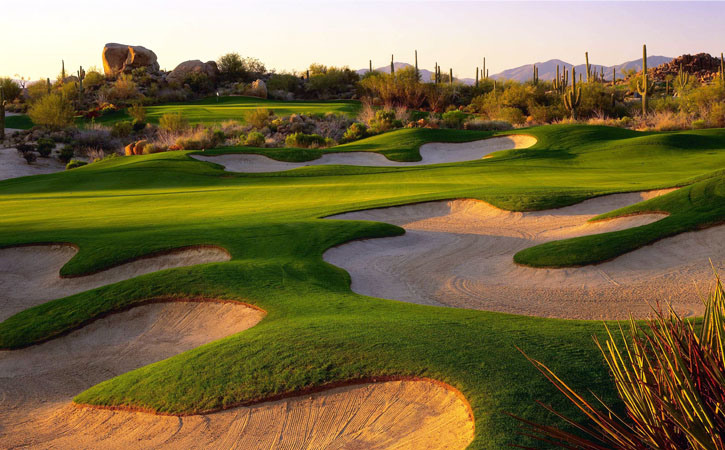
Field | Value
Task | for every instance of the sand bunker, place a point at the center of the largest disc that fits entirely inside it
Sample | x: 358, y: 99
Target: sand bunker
x: 37, y: 384
x: 433, y: 153
x: 12, y: 165
x: 460, y: 253
x: 30, y: 276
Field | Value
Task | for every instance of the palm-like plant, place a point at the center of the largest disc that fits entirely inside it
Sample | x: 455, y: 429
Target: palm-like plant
x: 670, y: 375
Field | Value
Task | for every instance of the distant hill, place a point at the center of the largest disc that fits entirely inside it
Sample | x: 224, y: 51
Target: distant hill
x: 547, y: 69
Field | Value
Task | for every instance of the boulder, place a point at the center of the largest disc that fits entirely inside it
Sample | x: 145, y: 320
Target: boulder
x: 257, y: 89
x: 193, y: 66
x: 121, y: 58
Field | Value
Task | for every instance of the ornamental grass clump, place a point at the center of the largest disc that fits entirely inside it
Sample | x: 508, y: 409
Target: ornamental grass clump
x: 669, y: 374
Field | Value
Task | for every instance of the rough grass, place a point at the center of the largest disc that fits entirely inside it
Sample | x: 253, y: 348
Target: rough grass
x: 317, y: 331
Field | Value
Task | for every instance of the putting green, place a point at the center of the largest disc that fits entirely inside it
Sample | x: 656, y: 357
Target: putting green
x: 316, y: 330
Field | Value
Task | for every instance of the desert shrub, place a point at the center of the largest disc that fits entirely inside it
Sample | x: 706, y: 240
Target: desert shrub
x: 384, y: 120
x: 511, y: 115
x: 138, y: 125
x: 487, y: 125
x: 73, y: 163
x: 402, y: 88
x: 453, y: 119
x: 137, y: 112
x: 66, y: 153
x: 37, y: 90
x: 699, y: 124
x: 11, y: 89
x: 93, y: 79
x: 45, y: 147
x: 124, y: 88
x: 233, y: 68
x: 29, y: 157
x: 121, y: 129
x: 173, y: 122
x: 231, y: 128
x: 153, y: 148
x: 69, y: 91
x: 716, y: 115
x: 259, y: 118
x: 254, y: 139
x: 53, y: 111
x: 328, y: 82
x: 283, y: 82
x: 356, y: 131
x: 97, y: 137
x: 302, y: 140
x: 141, y: 76
x: 199, y: 82
x: 200, y: 139
x: 668, y: 373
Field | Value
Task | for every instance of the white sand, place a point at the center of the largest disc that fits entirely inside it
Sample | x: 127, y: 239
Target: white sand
x: 12, y: 165
x: 30, y: 276
x: 432, y: 153
x: 38, y: 383
x: 460, y: 253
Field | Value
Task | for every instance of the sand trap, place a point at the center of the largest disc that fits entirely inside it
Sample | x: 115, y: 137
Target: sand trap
x: 30, y: 276
x: 38, y: 383
x: 12, y: 165
x: 460, y: 253
x: 433, y: 153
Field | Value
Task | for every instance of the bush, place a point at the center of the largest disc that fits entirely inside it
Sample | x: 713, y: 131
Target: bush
x: 487, y: 125
x: 45, y: 147
x: 356, y: 131
x: 259, y: 118
x: 283, y: 82
x: 121, y: 129
x: 173, y: 122
x: 11, y: 89
x: 98, y: 138
x: 93, y: 79
x: 202, y: 139
x: 153, y: 148
x: 29, y: 157
x: 254, y: 139
x: 384, y: 120
x: 53, y: 111
x: 327, y: 82
x: 137, y: 112
x: 199, y: 82
x: 454, y: 119
x: 66, y: 153
x: 138, y: 125
x: 37, y: 90
x: 74, y: 163
x: 302, y: 140
x: 511, y: 115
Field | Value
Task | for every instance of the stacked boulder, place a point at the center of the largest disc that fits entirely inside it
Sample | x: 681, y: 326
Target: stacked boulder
x: 122, y: 58
x: 703, y: 66
x: 181, y: 71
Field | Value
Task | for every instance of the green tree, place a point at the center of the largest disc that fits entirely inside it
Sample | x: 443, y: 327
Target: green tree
x: 11, y: 89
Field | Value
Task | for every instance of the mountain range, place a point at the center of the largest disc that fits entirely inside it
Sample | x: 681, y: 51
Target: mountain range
x: 547, y: 69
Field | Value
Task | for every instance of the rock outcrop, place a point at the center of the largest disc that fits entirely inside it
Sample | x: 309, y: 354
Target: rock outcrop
x: 121, y: 58
x: 257, y: 89
x: 703, y: 66
x: 193, y: 66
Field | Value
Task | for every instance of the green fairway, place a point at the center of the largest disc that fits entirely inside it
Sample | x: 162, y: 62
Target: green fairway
x: 215, y: 110
x: 317, y: 331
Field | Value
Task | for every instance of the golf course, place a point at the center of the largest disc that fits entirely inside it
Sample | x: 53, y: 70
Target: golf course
x: 257, y: 240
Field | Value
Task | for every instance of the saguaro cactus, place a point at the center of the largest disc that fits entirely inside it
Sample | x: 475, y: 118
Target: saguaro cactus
x: 2, y: 113
x: 370, y: 61
x: 392, y: 65
x: 535, y: 79
x: 644, y: 84
x: 586, y: 56
x: 561, y: 81
x: 62, y: 70
x: 476, y: 76
x: 484, y: 73
x: 573, y: 98
x: 47, y: 82
x: 417, y: 73
x: 682, y: 80
x: 81, y: 77
x: 450, y: 76
x: 722, y: 69
x: 614, y: 75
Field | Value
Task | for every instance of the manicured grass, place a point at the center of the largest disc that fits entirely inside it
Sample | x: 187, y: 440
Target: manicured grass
x: 317, y: 331
x: 212, y: 110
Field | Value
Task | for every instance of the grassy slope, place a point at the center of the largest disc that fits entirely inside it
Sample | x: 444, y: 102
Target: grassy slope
x: 316, y: 330
x: 209, y: 110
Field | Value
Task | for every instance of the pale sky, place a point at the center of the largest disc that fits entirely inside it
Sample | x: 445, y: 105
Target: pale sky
x: 289, y: 35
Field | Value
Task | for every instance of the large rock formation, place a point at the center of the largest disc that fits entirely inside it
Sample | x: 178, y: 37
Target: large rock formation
x: 257, y: 89
x: 703, y: 66
x: 120, y: 58
x: 194, y: 66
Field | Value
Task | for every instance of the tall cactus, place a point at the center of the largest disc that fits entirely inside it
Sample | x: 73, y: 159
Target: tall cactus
x: 450, y: 76
x: 392, y: 65
x: 722, y: 69
x: 561, y: 81
x: 62, y: 70
x: 477, y: 77
x: 573, y: 98
x: 589, y: 69
x: 535, y: 79
x: 644, y: 84
x: 417, y: 73
x: 614, y: 76
x: 370, y: 61
x: 2, y: 114
x: 81, y: 77
x: 682, y: 80
x: 484, y: 74
x: 47, y: 82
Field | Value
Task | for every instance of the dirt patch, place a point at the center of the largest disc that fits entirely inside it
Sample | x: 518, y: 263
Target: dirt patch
x: 460, y: 253
x: 432, y: 153
x: 12, y: 165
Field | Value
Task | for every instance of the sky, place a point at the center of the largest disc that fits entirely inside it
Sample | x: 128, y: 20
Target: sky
x: 289, y: 35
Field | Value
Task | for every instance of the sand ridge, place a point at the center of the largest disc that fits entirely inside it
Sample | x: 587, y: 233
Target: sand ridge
x: 460, y: 253
x: 431, y: 153
x: 30, y: 275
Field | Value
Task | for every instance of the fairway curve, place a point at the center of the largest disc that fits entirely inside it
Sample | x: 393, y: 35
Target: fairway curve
x: 37, y: 384
x: 431, y: 153
x: 459, y: 253
x: 30, y: 275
